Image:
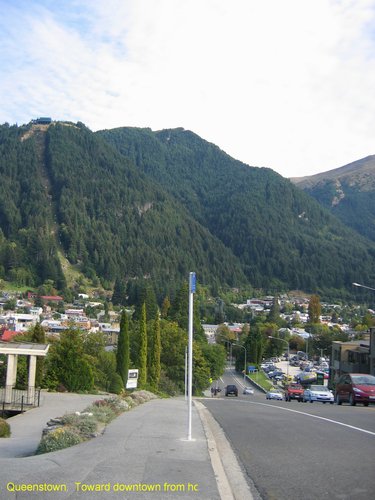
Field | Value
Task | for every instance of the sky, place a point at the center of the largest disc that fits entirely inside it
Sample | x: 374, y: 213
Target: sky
x: 284, y: 84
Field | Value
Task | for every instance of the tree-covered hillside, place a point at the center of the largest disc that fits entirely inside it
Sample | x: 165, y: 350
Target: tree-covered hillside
x: 348, y: 192
x: 282, y: 237
x: 101, y: 211
x: 130, y: 204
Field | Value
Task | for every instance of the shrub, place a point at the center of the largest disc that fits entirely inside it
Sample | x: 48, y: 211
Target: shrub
x: 4, y: 428
x: 87, y: 426
x: 102, y: 414
x: 61, y: 438
x: 117, y: 384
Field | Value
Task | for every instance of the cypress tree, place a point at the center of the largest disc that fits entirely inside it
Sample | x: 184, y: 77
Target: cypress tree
x: 123, y: 349
x: 142, y: 376
x: 39, y: 336
x: 314, y: 309
x: 154, y: 371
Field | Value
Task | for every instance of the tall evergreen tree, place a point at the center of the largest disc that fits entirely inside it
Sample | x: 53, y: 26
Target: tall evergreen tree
x: 142, y: 376
x: 274, y: 314
x: 119, y: 292
x: 39, y: 337
x: 123, y: 349
x: 314, y: 309
x: 155, y: 344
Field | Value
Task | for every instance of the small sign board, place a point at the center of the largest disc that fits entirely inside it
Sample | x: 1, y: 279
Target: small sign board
x: 192, y: 282
x: 132, y: 379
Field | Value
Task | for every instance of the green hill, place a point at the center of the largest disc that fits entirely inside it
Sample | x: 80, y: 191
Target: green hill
x: 135, y: 204
x: 281, y: 236
x: 348, y: 192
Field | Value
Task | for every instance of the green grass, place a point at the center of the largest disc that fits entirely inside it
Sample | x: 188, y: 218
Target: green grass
x: 261, y: 379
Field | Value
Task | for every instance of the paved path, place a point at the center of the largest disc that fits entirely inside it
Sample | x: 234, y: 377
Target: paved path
x: 145, y: 449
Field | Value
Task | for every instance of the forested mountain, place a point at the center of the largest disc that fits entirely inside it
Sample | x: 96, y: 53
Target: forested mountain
x: 132, y: 203
x: 104, y: 214
x: 282, y: 237
x: 348, y: 192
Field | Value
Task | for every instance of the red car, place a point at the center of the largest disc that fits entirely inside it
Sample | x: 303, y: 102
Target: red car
x: 355, y: 388
x: 294, y: 391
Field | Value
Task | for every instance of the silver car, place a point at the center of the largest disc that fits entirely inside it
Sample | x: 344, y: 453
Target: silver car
x: 274, y: 394
x: 318, y: 393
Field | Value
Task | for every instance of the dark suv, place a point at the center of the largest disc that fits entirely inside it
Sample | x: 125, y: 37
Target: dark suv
x: 355, y: 388
x: 231, y: 389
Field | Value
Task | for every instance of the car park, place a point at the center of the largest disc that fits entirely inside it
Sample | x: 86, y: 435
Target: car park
x: 274, y: 394
x: 231, y: 389
x: 248, y: 390
x: 319, y: 393
x: 355, y: 388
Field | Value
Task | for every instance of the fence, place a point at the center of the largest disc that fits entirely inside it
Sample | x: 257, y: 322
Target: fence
x: 20, y: 400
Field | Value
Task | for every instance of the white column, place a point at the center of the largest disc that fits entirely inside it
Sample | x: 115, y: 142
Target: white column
x: 11, y: 376
x: 31, y: 382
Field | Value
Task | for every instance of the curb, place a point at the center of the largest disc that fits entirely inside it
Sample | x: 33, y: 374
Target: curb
x: 229, y: 476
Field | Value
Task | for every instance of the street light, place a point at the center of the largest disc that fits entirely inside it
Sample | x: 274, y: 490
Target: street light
x: 243, y: 347
x: 287, y: 343
x: 230, y: 347
x: 363, y: 286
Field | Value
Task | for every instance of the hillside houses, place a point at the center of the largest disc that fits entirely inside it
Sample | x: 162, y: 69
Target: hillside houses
x: 13, y: 322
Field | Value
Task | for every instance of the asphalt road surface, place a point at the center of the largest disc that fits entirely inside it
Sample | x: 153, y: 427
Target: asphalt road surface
x: 295, y: 451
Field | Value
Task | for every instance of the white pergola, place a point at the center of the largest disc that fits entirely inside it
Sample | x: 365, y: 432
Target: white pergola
x: 12, y: 351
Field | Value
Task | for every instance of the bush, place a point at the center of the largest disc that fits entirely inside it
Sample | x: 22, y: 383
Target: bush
x: 61, y: 438
x: 116, y: 385
x: 87, y: 426
x: 104, y: 414
x: 4, y: 428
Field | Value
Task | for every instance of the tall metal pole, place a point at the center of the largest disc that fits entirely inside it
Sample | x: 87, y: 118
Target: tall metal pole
x: 190, y: 350
x: 186, y: 371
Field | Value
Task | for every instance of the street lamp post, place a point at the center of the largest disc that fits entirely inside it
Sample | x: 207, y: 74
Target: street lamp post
x: 243, y: 347
x: 287, y: 343
x: 230, y: 347
x: 363, y: 286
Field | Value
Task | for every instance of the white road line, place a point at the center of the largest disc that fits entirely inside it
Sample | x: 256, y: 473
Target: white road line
x: 314, y: 416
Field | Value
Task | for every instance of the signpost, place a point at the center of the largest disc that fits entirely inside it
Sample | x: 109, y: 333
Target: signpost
x: 132, y: 381
x: 192, y: 286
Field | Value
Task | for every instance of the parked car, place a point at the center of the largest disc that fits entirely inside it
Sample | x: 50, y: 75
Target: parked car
x: 248, y: 390
x: 276, y: 374
x: 274, y: 394
x: 318, y: 393
x: 231, y: 389
x: 355, y: 388
x: 294, y: 391
x: 270, y: 368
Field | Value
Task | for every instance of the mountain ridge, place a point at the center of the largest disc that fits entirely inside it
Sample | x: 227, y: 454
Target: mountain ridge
x: 138, y: 204
x: 348, y: 192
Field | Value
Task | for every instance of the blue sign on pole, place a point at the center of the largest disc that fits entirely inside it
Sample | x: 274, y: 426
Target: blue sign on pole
x: 192, y: 282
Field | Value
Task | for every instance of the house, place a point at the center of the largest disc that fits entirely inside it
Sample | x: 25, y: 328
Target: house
x: 210, y: 331
x: 8, y: 335
x: 52, y: 298
x: 356, y: 356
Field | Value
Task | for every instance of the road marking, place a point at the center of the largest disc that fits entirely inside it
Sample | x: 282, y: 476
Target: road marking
x: 314, y: 416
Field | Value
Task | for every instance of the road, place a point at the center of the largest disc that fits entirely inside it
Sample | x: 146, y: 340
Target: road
x: 293, y: 450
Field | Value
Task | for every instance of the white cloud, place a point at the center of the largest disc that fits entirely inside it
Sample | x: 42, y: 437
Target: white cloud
x: 286, y: 85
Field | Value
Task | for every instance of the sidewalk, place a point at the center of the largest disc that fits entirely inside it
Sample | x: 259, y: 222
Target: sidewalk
x: 143, y: 454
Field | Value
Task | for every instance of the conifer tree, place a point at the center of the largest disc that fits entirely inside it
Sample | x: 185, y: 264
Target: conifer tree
x: 39, y: 337
x: 123, y: 349
x: 155, y: 344
x: 314, y: 309
x: 142, y: 376
x: 274, y: 314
